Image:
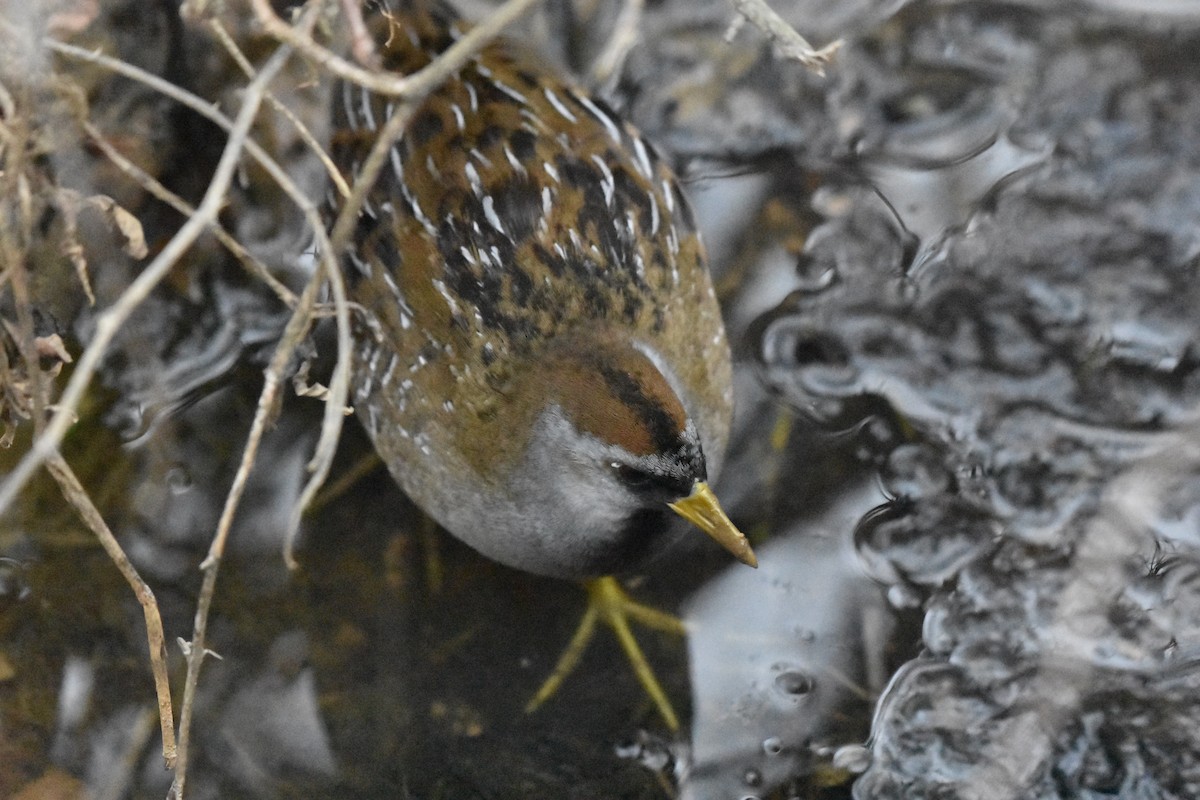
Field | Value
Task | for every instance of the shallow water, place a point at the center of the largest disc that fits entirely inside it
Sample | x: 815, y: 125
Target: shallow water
x: 963, y: 285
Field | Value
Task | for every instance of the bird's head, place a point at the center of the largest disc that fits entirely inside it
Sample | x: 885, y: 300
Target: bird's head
x: 613, y: 449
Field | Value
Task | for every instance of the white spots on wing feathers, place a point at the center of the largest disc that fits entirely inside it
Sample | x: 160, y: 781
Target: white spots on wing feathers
x: 610, y: 125
x: 364, y: 267
x: 473, y: 177
x: 431, y: 167
x: 673, y: 246
x: 489, y: 213
x: 514, y: 161
x: 397, y: 162
x: 473, y: 95
x: 388, y: 373
x: 451, y: 303
x: 559, y: 106
x: 608, y: 184
x: 369, y: 373
x: 511, y: 92
x: 547, y: 202
x: 391, y: 283
x: 459, y: 119
x: 532, y: 123
x: 483, y: 70
x: 576, y: 241
x: 550, y: 170
x: 668, y: 195
x: 642, y: 158
x: 653, y: 215
x: 483, y: 160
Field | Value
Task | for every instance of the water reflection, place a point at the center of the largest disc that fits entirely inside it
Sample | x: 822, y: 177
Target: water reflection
x: 272, y: 725
x: 777, y: 653
x: 1045, y: 656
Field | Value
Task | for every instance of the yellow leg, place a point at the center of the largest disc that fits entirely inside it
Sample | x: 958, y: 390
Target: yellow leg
x: 608, y: 602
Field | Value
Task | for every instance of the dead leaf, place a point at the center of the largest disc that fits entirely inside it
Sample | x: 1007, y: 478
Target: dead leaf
x: 127, y: 224
x: 67, y: 201
x: 52, y: 347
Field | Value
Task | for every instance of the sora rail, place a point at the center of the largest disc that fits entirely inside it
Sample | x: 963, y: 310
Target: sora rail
x: 541, y: 360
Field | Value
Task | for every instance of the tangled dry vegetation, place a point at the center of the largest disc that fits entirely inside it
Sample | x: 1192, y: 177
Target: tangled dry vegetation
x: 123, y: 176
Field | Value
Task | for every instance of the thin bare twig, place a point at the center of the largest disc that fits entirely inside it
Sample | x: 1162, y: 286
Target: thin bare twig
x: 362, y: 44
x: 788, y: 41
x: 15, y: 232
x: 296, y: 328
x: 185, y: 98
x: 78, y: 497
x: 419, y: 83
x: 152, y: 185
x: 107, y: 324
x: 347, y: 218
x: 111, y: 320
x: 335, y: 404
x: 251, y: 101
x: 339, y: 390
x: 624, y: 36
x: 235, y: 52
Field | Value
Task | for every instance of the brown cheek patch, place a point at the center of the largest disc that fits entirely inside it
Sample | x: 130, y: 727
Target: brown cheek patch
x: 622, y: 399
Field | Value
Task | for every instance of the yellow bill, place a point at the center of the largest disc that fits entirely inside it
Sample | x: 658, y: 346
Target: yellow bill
x: 702, y: 510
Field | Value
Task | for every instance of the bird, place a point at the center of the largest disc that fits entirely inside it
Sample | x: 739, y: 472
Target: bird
x: 540, y: 358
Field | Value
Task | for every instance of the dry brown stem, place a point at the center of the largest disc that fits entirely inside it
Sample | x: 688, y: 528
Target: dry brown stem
x: 362, y: 44
x: 386, y: 83
x: 157, y: 190
x: 622, y: 39
x: 789, y: 43
x: 79, y: 499
x: 235, y: 52
x: 196, y: 652
x: 110, y: 321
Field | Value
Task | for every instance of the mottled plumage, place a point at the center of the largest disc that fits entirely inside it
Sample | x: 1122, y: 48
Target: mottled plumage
x: 530, y: 275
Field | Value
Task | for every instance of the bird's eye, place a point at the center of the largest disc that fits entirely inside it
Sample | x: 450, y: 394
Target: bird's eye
x: 633, y: 477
